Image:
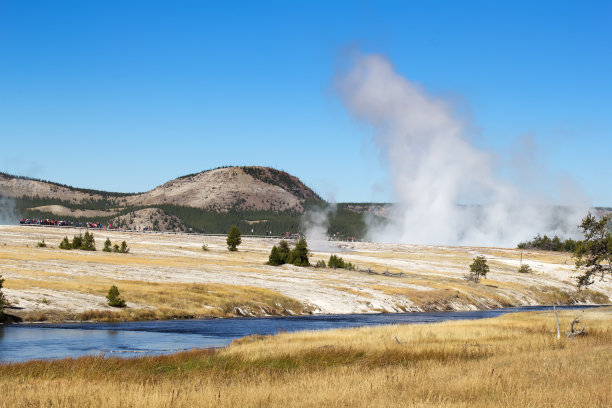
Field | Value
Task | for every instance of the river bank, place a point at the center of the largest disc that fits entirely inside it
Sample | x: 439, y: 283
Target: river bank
x: 512, y: 360
x: 170, y: 276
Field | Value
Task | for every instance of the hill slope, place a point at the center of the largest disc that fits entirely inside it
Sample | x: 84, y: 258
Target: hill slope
x: 220, y: 190
x: 224, y: 189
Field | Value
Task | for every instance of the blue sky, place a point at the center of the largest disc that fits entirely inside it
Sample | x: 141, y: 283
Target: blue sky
x: 125, y: 96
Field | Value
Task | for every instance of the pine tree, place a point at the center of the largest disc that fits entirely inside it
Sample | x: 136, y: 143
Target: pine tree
x: 233, y: 238
x: 284, y: 252
x: 299, y: 255
x: 479, y: 268
x: 65, y: 244
x: 124, y: 248
x: 77, y: 241
x: 114, y: 298
x: 594, y: 254
x: 275, y: 258
x: 335, y: 262
x: 107, y: 245
x: 88, y: 244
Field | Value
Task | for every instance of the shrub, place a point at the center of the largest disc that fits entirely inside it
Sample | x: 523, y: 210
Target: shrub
x: 478, y: 268
x: 525, y: 269
x: 204, y: 247
x: 107, y: 245
x: 114, y: 298
x: 77, y: 241
x: 65, y: 244
x: 335, y: 262
x: 124, y: 248
x: 549, y: 244
x: 42, y: 244
x: 115, y: 248
x: 275, y: 258
x: 89, y: 243
x: 284, y: 251
x: 320, y: 264
x: 282, y: 254
x: 299, y: 255
x: 233, y: 238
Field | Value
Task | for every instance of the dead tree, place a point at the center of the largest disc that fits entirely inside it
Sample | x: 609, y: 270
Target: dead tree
x: 576, y: 332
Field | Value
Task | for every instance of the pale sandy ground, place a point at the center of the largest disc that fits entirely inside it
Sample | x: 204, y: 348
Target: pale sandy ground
x: 179, y: 258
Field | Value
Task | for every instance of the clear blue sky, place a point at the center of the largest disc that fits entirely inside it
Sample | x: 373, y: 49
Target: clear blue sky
x: 125, y: 95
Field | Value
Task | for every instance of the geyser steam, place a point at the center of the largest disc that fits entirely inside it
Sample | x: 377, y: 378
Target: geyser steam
x: 446, y: 191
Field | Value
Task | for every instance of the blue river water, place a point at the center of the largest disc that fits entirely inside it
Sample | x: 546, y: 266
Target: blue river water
x: 22, y: 342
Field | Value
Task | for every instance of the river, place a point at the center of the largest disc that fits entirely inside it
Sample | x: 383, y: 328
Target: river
x: 22, y: 342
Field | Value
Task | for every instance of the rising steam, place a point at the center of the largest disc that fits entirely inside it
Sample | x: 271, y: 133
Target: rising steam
x: 7, y: 211
x: 446, y: 190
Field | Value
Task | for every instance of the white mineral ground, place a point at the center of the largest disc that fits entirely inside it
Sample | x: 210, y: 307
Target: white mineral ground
x: 156, y: 257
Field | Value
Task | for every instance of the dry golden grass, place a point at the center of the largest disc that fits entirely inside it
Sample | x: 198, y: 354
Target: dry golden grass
x: 514, y: 360
x: 162, y: 277
x: 168, y: 300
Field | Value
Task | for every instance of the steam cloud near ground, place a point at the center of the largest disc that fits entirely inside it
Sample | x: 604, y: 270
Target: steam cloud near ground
x: 446, y: 190
x: 7, y: 211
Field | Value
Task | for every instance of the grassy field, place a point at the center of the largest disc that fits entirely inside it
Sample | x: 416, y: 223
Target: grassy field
x: 514, y: 360
x: 167, y: 275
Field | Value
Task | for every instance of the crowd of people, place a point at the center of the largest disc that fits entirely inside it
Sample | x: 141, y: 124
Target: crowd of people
x: 64, y: 223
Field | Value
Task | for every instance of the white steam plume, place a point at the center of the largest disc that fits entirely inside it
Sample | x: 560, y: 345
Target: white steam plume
x: 315, y: 223
x: 7, y: 211
x: 446, y: 191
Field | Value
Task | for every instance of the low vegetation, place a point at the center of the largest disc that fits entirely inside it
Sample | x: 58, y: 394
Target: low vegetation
x: 337, y: 262
x: 114, y: 298
x: 594, y: 254
x: 282, y: 254
x: 524, y: 268
x: 545, y: 243
x: 234, y: 238
x: 109, y: 247
x: 41, y: 244
x: 84, y: 242
x: 478, y: 269
x: 514, y: 360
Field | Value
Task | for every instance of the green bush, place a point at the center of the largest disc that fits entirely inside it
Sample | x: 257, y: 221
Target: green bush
x: 42, y: 244
x: 525, y: 269
x: 107, y: 245
x: 549, y: 244
x: 479, y: 268
x: 114, y: 298
x: 283, y: 254
x: 320, y: 264
x: 89, y: 243
x: 280, y: 255
x: 65, y: 244
x: 275, y: 258
x: 335, y: 262
x: 233, y: 238
x: 204, y: 247
x: 77, y: 241
x: 124, y: 248
x: 299, y: 255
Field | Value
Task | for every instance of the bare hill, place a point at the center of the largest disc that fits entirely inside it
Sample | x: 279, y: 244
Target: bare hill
x: 244, y: 188
x: 221, y: 190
